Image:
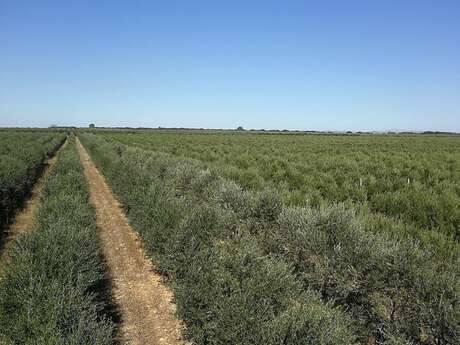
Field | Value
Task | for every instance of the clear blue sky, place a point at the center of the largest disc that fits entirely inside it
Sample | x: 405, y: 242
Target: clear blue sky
x: 359, y: 65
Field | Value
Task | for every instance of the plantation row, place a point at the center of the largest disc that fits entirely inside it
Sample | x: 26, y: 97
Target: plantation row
x: 51, y: 292
x: 22, y: 154
x: 246, y: 268
x: 402, y: 185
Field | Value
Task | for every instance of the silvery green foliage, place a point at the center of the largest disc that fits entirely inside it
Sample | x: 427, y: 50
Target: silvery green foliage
x: 389, y: 287
x: 367, y: 284
x: 227, y: 289
x: 50, y: 292
x: 22, y: 154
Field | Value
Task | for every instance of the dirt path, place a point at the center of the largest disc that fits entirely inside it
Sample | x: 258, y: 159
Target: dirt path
x: 146, y: 308
x: 25, y: 219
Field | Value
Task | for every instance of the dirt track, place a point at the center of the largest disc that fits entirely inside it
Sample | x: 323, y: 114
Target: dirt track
x: 146, y: 308
x: 25, y: 219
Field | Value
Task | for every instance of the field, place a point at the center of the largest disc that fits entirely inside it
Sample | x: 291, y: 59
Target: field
x: 262, y: 238
x: 48, y: 291
x: 21, y: 155
x: 359, y: 262
x: 404, y: 184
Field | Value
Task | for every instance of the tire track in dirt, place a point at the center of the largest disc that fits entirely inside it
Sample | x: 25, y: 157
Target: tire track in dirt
x: 145, y: 303
x: 25, y: 219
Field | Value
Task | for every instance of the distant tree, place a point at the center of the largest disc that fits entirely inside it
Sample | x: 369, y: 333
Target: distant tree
x: 91, y: 125
x: 240, y: 128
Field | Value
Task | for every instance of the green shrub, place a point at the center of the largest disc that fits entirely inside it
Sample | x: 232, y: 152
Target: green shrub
x: 22, y: 155
x: 393, y: 290
x: 228, y: 291
x: 405, y: 178
x: 50, y: 290
x: 388, y: 287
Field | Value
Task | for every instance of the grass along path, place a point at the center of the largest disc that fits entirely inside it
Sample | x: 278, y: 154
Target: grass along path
x: 146, y: 308
x: 25, y: 219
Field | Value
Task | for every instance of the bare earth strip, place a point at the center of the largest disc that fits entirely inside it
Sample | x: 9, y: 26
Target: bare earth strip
x: 25, y: 218
x: 145, y: 303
